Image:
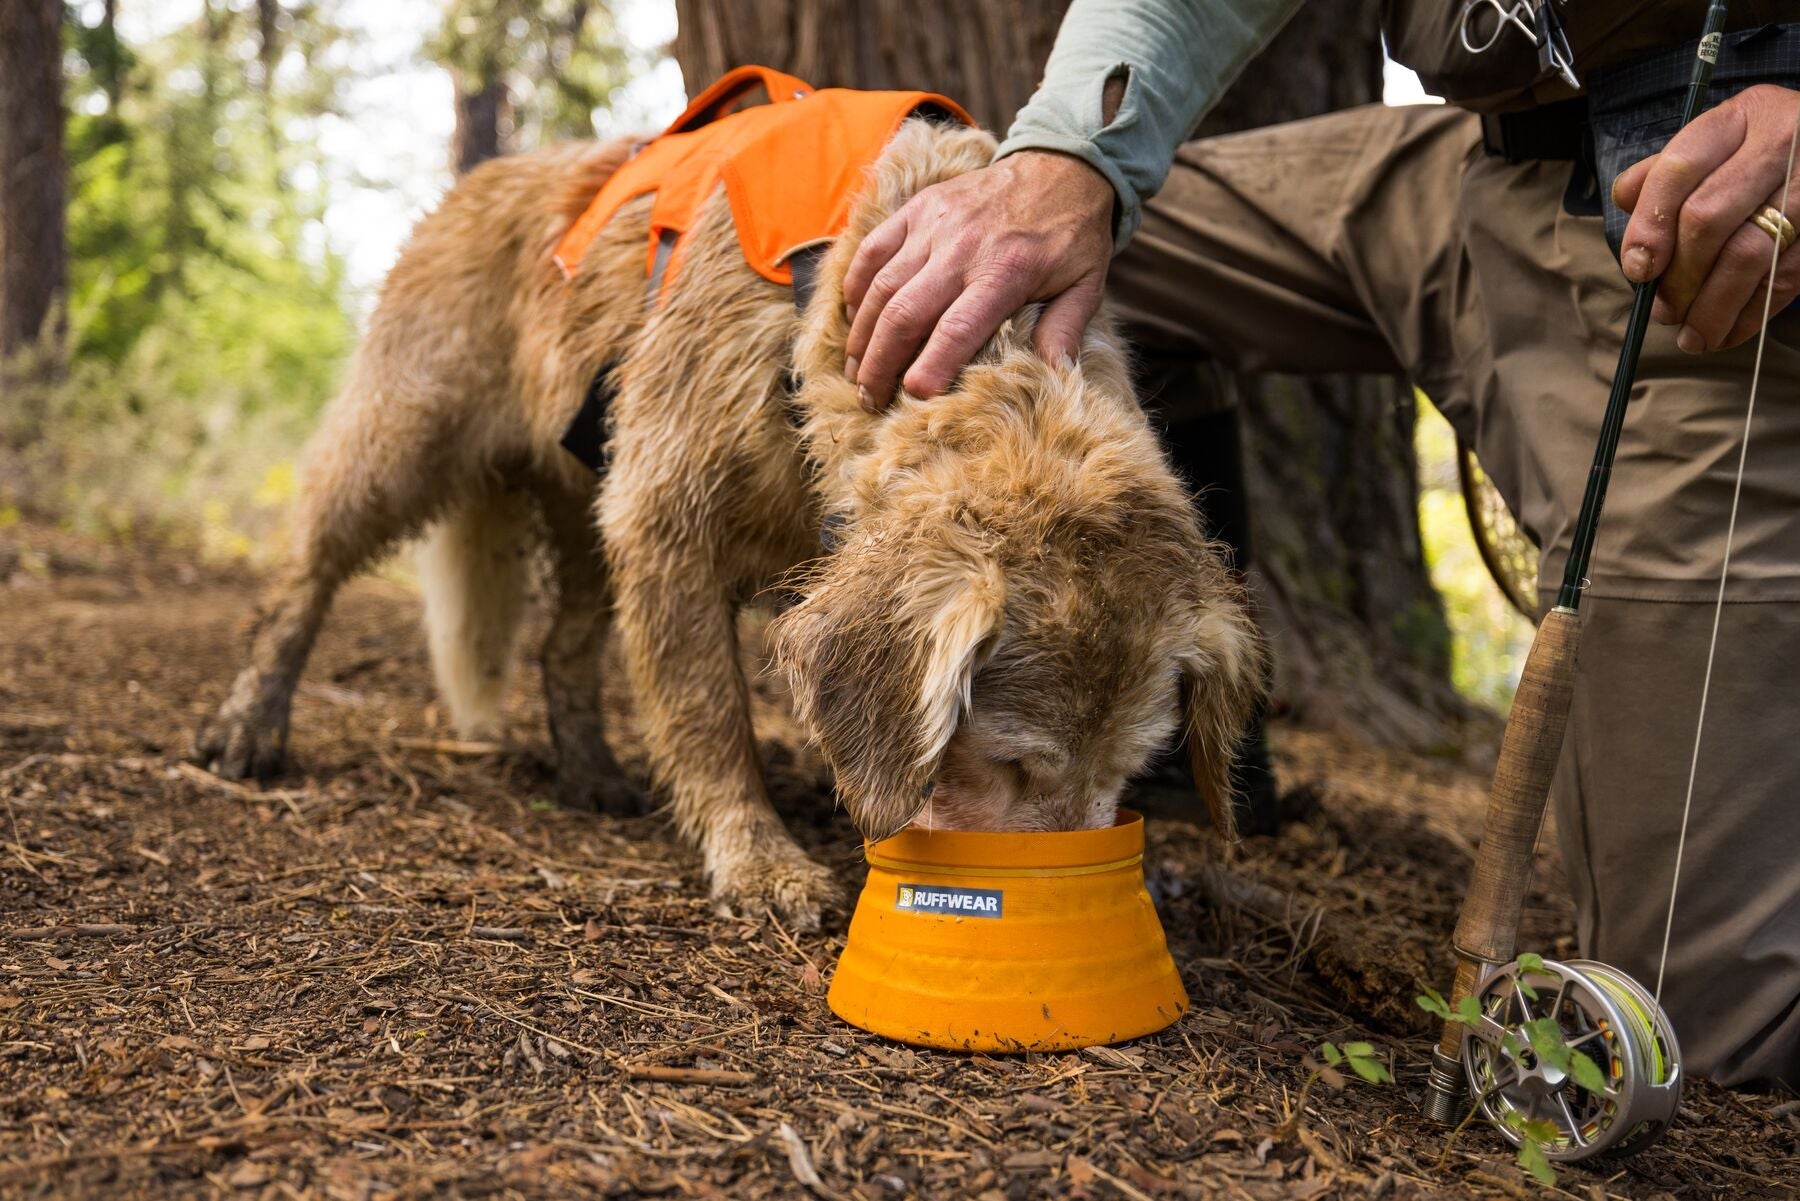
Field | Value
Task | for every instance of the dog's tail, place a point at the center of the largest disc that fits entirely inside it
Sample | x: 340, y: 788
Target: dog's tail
x: 475, y: 568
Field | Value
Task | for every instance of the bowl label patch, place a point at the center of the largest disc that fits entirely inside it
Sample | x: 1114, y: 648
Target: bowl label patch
x: 962, y: 902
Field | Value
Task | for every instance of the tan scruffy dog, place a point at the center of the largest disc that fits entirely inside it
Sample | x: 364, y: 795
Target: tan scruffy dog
x: 1021, y: 609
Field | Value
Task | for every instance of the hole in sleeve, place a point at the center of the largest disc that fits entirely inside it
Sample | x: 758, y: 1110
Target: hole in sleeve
x: 1112, y: 93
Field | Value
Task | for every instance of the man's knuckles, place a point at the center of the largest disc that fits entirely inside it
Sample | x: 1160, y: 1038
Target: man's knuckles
x: 1704, y: 215
x: 1765, y: 100
x: 905, y: 317
x: 1747, y: 252
x: 967, y: 241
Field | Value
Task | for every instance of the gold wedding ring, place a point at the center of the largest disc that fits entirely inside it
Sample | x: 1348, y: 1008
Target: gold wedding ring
x: 1776, y: 225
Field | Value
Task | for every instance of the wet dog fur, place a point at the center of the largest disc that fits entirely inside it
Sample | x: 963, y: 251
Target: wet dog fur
x: 1022, y: 611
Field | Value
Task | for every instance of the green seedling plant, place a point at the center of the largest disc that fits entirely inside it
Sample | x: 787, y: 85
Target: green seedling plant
x: 1547, y: 1043
x: 1359, y: 1058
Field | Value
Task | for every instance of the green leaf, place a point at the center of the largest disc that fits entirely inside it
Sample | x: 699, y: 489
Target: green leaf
x: 1530, y: 962
x: 1359, y: 1050
x: 1547, y: 1040
x: 1531, y: 994
x: 1432, y: 1002
x: 1371, y: 1070
x: 1532, y: 1159
x: 1541, y: 1130
x: 1587, y: 1073
x: 1332, y: 1055
x: 1468, y: 1010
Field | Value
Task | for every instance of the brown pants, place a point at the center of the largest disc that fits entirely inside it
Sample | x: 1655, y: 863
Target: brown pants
x: 1382, y: 240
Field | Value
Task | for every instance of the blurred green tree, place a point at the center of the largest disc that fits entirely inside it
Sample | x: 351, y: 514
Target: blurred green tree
x: 527, y: 72
x: 207, y: 311
x: 196, y: 188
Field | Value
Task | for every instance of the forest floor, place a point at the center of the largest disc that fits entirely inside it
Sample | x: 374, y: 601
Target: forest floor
x: 399, y: 970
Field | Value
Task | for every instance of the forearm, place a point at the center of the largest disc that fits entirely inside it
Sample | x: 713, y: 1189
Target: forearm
x: 1176, y: 58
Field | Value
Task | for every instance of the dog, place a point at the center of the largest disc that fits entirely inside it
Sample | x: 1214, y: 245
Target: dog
x: 1020, y: 609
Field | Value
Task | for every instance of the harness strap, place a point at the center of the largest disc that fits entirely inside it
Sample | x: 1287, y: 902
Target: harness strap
x: 732, y: 86
x: 805, y: 264
x: 659, y: 266
x: 585, y: 435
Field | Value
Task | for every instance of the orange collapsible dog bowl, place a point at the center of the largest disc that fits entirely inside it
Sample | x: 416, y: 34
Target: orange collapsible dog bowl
x: 1008, y: 942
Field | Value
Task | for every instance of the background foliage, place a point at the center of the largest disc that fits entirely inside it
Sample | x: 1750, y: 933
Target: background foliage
x: 207, y: 312
x: 210, y: 313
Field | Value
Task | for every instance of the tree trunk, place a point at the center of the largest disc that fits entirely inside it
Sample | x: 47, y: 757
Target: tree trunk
x: 986, y: 54
x: 1359, y: 631
x: 33, y: 267
x: 109, y: 67
x: 478, y: 137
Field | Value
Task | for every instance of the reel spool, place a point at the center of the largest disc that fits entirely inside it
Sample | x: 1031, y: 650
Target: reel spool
x: 1604, y: 1014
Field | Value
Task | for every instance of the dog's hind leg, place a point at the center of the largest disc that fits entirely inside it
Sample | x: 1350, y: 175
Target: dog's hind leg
x: 474, y: 566
x: 587, y: 775
x: 375, y: 473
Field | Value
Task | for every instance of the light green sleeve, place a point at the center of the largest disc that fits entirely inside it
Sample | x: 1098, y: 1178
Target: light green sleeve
x: 1178, y: 57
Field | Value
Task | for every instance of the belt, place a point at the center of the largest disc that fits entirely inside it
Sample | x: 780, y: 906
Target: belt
x: 1551, y: 132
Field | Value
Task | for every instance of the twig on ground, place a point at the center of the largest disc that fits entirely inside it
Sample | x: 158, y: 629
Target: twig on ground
x: 800, y: 1160
x: 449, y: 746
x: 31, y: 721
x: 200, y: 775
x: 668, y: 1075
x: 86, y: 930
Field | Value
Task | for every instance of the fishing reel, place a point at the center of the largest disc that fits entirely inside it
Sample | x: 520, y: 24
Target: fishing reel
x: 1598, y: 1011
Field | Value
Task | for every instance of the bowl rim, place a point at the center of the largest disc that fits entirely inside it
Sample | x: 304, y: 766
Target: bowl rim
x: 1121, y: 843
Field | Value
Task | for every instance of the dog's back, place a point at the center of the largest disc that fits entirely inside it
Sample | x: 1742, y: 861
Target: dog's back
x: 472, y: 299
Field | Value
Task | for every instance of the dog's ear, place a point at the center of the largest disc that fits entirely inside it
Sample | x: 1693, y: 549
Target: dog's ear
x: 880, y: 656
x: 1223, y: 676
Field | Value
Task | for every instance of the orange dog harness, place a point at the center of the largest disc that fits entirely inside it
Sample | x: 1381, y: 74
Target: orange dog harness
x: 790, y: 169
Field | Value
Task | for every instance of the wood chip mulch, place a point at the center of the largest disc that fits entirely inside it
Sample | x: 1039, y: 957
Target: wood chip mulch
x: 400, y: 970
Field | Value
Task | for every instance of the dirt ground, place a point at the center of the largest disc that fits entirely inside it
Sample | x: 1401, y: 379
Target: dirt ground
x: 401, y: 970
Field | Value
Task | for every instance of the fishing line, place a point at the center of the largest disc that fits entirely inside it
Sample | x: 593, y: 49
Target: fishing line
x: 1737, y: 490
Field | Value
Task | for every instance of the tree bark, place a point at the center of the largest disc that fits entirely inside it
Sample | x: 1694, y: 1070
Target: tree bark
x: 1359, y: 631
x: 986, y: 54
x: 33, y: 263
x: 479, y: 110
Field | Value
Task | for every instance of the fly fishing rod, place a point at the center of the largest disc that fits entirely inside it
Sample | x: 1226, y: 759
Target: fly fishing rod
x: 1600, y: 1011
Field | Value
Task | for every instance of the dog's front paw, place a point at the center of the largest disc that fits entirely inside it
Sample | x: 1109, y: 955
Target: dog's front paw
x: 799, y: 891
x: 610, y: 792
x: 243, y: 742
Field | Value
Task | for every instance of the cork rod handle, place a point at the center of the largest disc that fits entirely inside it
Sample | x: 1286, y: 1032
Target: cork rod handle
x: 1489, y: 926
x: 1515, y: 811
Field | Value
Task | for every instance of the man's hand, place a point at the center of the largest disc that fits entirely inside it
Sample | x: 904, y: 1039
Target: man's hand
x: 962, y: 256
x: 1691, y: 208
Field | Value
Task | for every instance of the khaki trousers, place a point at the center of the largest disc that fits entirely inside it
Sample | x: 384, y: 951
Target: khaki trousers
x: 1383, y: 240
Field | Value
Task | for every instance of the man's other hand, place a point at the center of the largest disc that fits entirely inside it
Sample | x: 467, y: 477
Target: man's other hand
x: 962, y: 256
x: 1691, y: 208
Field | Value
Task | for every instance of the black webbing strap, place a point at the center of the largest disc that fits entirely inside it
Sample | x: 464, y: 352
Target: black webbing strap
x: 1548, y: 133
x: 585, y: 436
x: 804, y: 263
